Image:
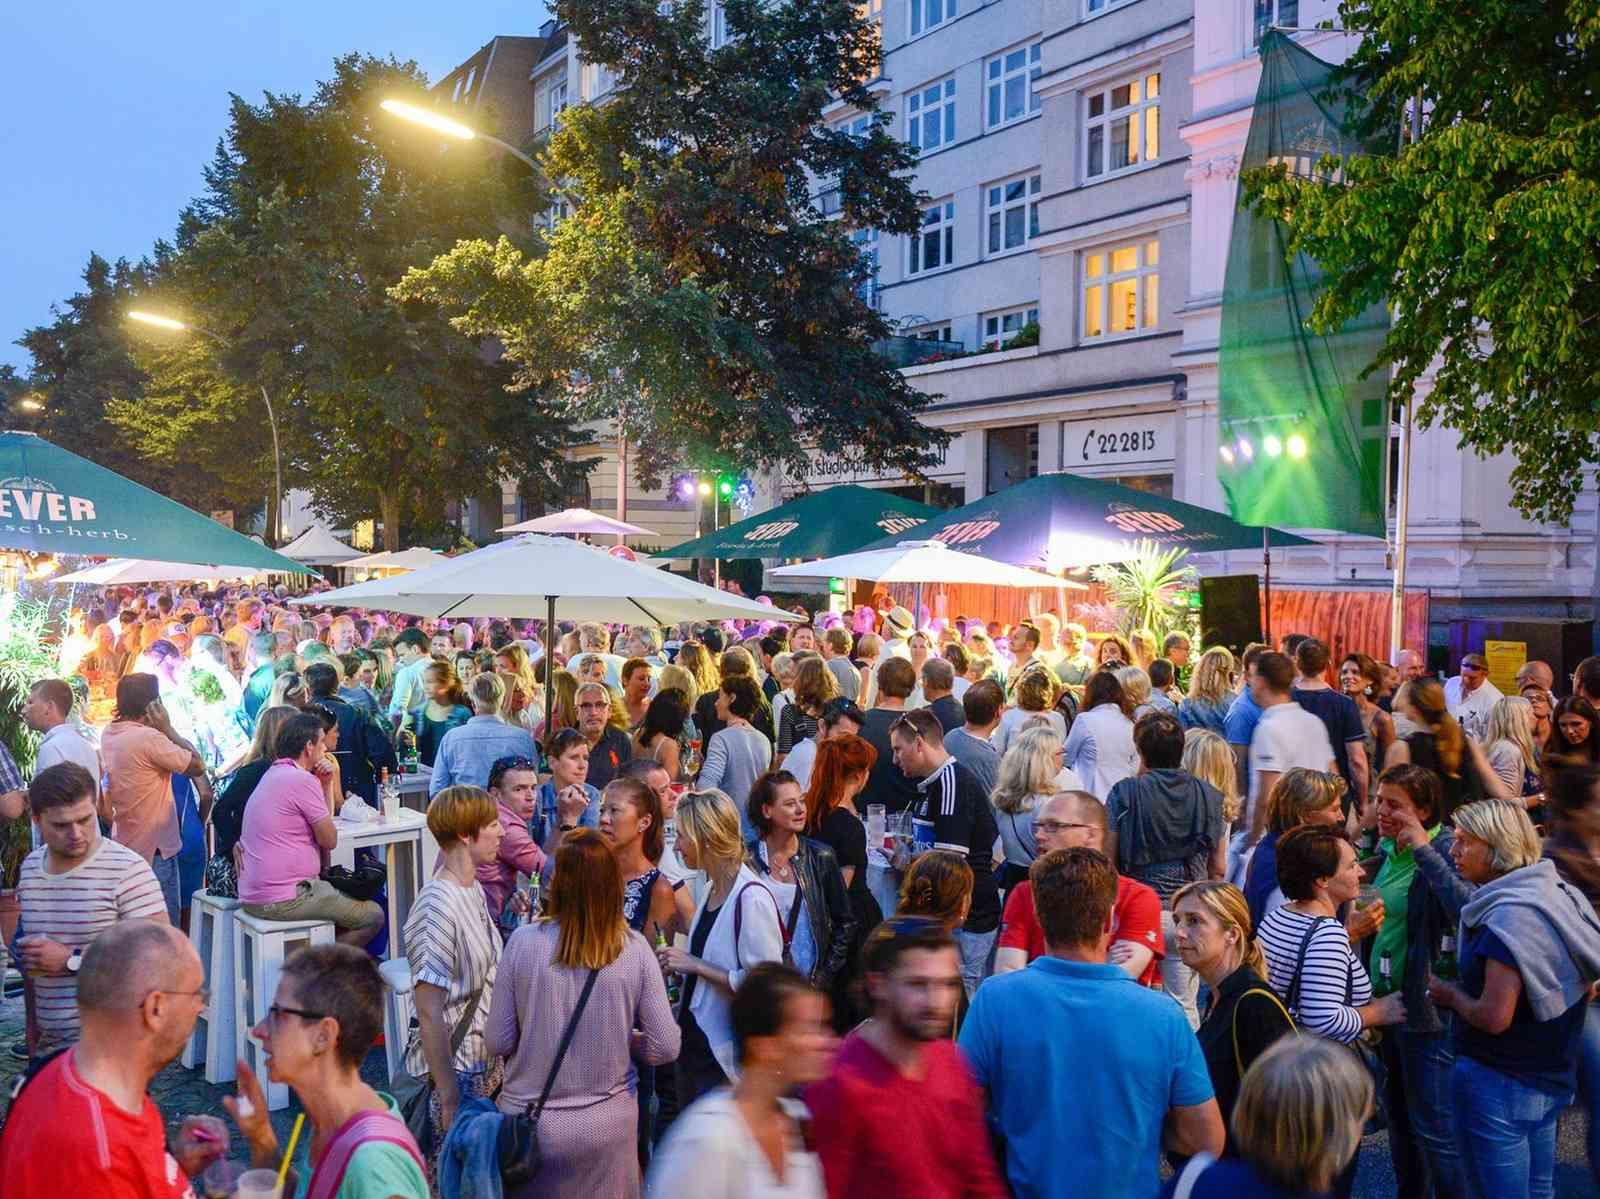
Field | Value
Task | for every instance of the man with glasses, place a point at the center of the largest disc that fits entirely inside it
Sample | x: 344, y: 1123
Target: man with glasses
x: 1068, y: 820
x: 71, y: 889
x: 83, y: 1123
x: 609, y: 747
x: 514, y: 784
x: 951, y: 812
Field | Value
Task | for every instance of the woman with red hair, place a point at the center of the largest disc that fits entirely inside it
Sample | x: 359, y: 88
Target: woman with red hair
x: 843, y: 764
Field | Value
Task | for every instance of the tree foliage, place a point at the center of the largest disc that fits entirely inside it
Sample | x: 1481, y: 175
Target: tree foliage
x: 1483, y: 234
x: 698, y: 290
x: 313, y: 209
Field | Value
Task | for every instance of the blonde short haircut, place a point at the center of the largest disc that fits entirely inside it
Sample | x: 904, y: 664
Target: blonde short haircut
x: 1505, y: 828
x: 1300, y: 791
x: 1300, y: 1112
x: 457, y: 813
x: 1135, y: 685
x: 710, y: 819
x: 676, y: 678
x: 1210, y: 759
x: 1036, y: 690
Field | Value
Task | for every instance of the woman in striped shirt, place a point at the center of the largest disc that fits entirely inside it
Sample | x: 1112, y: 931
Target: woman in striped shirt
x: 1310, y: 961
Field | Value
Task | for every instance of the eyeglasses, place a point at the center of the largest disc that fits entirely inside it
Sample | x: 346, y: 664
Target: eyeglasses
x: 502, y: 765
x: 1058, y: 826
x: 277, y: 1010
x: 203, y: 994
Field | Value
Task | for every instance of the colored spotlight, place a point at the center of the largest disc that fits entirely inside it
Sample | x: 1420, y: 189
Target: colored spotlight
x: 1297, y: 446
x: 705, y: 488
x: 1272, y: 445
x: 1226, y: 453
x: 1246, y: 450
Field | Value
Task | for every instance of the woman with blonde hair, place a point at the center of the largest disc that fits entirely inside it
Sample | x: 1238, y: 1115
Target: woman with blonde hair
x: 1145, y: 648
x: 737, y: 926
x: 1210, y: 759
x: 1136, y: 687
x: 580, y: 971
x: 1296, y: 1127
x: 1210, y: 692
x: 1034, y: 696
x: 1245, y: 1015
x: 696, y: 659
x: 676, y: 678
x: 227, y: 813
x: 1508, y: 746
x: 562, y: 713
x: 1300, y: 796
x: 1032, y: 770
x: 524, y: 695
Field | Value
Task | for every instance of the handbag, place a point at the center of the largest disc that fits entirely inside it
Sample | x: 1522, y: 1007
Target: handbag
x: 517, y: 1142
x: 365, y: 882
x: 1238, y: 1058
x: 787, y: 930
x: 414, y: 1099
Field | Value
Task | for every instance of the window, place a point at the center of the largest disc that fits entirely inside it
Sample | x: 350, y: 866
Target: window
x: 929, y: 14
x: 719, y: 27
x: 1275, y: 12
x: 1100, y: 6
x: 931, y: 115
x: 870, y: 10
x: 1123, y: 126
x: 1009, y: 80
x: 935, y: 246
x: 551, y: 99
x: 597, y: 81
x: 560, y: 209
x: 1013, y: 209
x: 830, y: 199
x: 932, y: 333
x: 866, y: 243
x: 1001, y: 327
x: 1121, y: 290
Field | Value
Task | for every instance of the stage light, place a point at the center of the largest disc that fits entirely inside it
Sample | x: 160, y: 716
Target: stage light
x: 1246, y: 450
x: 705, y: 487
x: 1272, y: 445
x: 1297, y: 446
x: 1226, y: 453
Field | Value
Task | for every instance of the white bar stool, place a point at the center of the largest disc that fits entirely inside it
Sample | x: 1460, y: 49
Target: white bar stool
x: 397, y: 1010
x: 211, y: 933
x: 259, y: 950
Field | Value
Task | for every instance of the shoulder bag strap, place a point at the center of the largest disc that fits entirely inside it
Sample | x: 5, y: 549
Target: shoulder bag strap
x: 1300, y: 963
x: 794, y: 915
x: 1198, y: 1164
x: 536, y: 1108
x: 458, y: 1035
x: 738, y: 919
x: 1238, y: 1058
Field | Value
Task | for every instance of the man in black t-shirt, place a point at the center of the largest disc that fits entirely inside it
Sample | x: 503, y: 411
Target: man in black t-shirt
x: 609, y: 748
x: 952, y: 813
x: 1339, y: 715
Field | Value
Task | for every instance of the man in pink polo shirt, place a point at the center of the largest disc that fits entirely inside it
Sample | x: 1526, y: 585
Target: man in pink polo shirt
x: 514, y: 783
x: 288, y: 826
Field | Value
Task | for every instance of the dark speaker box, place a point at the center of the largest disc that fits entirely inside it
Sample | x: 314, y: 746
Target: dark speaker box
x: 1230, y: 611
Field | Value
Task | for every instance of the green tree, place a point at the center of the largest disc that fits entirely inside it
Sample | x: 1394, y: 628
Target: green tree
x: 698, y: 292
x: 1483, y: 234
x: 312, y: 210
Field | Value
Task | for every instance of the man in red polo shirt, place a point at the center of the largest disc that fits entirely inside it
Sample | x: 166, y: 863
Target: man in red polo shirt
x: 900, y: 1116
x: 84, y: 1125
x: 1067, y: 820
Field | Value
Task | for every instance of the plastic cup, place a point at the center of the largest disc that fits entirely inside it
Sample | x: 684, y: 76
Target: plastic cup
x: 221, y: 1179
x: 1366, y: 897
x: 259, y: 1184
x: 877, y: 823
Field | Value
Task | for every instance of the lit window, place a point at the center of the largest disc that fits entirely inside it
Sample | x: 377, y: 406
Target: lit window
x: 931, y: 115
x: 1121, y: 290
x: 1123, y: 126
x: 1010, y: 82
x: 1270, y: 13
x: 1013, y: 211
x: 934, y: 246
x: 1001, y: 327
x: 928, y: 14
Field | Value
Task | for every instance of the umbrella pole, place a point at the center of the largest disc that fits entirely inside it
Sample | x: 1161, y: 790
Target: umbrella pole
x: 549, y: 666
x: 1266, y: 560
x: 916, y: 612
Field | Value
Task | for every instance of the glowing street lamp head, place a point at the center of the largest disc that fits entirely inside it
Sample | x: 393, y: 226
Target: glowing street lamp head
x: 428, y: 119
x: 160, y: 322
x: 1272, y: 445
x: 1297, y: 446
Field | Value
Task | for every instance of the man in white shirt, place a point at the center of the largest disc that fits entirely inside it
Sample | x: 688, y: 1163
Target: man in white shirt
x: 49, y: 704
x: 1469, y: 696
x: 1285, y: 737
x: 411, y: 654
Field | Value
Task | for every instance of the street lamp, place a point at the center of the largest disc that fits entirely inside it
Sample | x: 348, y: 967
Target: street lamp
x: 177, y: 326
x: 30, y: 404
x: 429, y: 119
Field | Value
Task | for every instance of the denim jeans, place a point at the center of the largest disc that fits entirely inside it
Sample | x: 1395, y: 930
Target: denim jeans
x: 1416, y: 1098
x: 1182, y: 983
x: 977, y: 956
x: 166, y: 872
x: 884, y: 884
x: 1507, y: 1133
x: 1589, y: 1081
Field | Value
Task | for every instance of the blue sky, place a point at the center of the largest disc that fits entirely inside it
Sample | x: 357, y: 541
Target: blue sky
x: 110, y: 110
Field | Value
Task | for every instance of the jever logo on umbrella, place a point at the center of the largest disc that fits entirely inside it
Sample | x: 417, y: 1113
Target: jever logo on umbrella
x: 28, y: 498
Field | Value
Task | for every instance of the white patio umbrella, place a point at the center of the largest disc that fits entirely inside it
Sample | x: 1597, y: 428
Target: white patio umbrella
x: 579, y: 520
x: 921, y: 562
x: 317, y: 546
x: 416, y: 558
x: 549, y: 577
x: 132, y: 570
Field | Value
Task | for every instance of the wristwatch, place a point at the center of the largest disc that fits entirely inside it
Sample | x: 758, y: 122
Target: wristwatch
x: 74, y: 960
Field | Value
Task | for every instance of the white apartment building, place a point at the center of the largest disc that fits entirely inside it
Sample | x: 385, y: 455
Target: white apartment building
x: 1080, y: 161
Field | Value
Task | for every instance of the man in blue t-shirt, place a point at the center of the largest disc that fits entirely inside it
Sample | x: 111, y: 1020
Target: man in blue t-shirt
x: 1243, y: 716
x: 1084, y: 1068
x: 1339, y: 715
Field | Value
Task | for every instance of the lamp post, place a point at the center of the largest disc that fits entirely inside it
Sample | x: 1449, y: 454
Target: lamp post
x: 429, y: 119
x: 177, y: 326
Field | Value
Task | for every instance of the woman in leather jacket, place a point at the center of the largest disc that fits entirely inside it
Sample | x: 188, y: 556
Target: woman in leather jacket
x: 813, y: 904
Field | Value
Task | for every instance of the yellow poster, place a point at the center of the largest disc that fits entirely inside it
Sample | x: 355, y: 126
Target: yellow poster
x: 1505, y: 658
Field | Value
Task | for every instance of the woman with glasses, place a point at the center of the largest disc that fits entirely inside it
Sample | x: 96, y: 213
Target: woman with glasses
x: 737, y: 927
x: 326, y: 1014
x: 581, y: 965
x: 1033, y: 769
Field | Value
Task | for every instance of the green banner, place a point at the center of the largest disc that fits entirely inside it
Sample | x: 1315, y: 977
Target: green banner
x: 1301, y: 431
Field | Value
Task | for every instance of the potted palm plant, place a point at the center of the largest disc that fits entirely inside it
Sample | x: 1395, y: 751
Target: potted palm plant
x: 27, y: 654
x: 1146, y: 589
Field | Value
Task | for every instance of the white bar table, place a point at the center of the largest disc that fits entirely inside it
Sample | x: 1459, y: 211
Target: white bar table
x: 410, y: 854
x: 414, y: 788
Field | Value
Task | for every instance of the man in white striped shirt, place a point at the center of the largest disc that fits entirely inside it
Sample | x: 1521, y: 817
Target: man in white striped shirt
x: 73, y: 887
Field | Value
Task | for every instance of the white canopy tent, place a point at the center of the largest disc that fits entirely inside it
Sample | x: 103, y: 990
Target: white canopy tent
x: 133, y: 570
x: 317, y: 546
x: 579, y: 520
x: 416, y: 558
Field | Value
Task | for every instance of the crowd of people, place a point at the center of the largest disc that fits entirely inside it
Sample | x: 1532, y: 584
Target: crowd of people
x: 860, y: 904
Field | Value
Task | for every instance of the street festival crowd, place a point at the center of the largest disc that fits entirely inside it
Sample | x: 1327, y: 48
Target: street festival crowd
x: 870, y: 905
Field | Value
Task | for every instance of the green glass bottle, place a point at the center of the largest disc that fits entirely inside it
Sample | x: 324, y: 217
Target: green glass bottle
x: 1445, y: 966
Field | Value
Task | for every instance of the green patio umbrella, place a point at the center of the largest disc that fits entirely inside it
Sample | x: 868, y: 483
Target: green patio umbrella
x: 52, y: 501
x: 815, y: 525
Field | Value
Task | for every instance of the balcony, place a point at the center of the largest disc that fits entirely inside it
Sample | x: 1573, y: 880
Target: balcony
x: 904, y: 351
